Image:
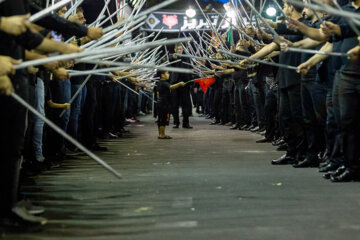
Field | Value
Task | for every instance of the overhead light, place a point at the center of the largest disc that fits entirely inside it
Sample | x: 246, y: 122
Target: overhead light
x: 190, y: 13
x: 271, y: 11
x: 133, y: 2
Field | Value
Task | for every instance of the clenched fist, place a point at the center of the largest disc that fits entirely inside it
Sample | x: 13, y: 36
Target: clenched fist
x: 5, y: 85
x: 95, y: 33
x: 14, y: 25
x: 61, y: 74
x: 7, y: 65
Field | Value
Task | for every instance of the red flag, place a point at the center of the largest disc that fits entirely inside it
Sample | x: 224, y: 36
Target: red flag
x: 205, y: 83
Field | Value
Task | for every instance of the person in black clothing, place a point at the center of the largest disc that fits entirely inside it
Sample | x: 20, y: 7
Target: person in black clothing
x: 329, y: 69
x: 289, y: 87
x: 180, y: 97
x: 164, y: 89
x: 348, y: 94
x: 12, y: 123
x: 313, y: 100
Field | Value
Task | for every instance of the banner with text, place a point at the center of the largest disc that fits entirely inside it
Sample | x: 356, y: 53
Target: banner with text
x: 175, y: 22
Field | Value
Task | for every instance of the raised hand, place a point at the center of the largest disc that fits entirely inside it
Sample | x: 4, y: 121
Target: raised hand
x: 61, y: 74
x: 329, y: 28
x: 95, y: 33
x: 7, y: 65
x: 303, y: 68
x: 6, y: 87
x: 292, y: 24
x: 354, y: 54
x: 14, y: 25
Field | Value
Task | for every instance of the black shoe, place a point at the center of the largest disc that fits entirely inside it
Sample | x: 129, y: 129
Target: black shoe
x: 20, y: 214
x: 187, y: 126
x: 249, y: 127
x: 209, y: 117
x: 336, y: 173
x: 255, y: 129
x: 347, y: 176
x: 278, y: 142
x: 35, y: 167
x: 215, y: 123
x: 244, y: 127
x: 32, y: 209
x: 176, y: 126
x: 284, y: 160
x: 123, y: 130
x: 99, y: 148
x: 261, y: 129
x: 235, y: 127
x: 282, y: 147
x: 262, y: 133
x: 108, y: 136
x: 263, y: 140
x: 324, y: 164
x: 306, y: 163
x: 328, y: 168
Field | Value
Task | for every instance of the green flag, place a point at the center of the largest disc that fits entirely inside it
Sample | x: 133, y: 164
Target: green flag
x: 230, y: 37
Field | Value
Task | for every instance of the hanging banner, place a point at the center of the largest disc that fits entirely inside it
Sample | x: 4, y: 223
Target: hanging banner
x: 176, y: 21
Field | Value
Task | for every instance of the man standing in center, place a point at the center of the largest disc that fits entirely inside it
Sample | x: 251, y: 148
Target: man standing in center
x: 181, y: 96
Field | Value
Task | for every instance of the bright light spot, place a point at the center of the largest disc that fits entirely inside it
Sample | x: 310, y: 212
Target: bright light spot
x: 271, y: 11
x: 190, y: 13
x: 231, y: 13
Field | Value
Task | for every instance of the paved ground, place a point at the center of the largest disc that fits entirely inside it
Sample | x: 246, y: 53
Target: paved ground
x: 206, y: 183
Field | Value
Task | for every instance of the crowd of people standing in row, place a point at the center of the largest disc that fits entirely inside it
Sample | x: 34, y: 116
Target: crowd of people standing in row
x: 311, y: 112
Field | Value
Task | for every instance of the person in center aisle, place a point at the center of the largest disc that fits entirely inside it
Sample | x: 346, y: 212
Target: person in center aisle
x: 164, y: 101
x: 180, y: 97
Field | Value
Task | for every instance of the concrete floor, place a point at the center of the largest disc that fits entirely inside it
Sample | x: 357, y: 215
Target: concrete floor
x: 206, y: 183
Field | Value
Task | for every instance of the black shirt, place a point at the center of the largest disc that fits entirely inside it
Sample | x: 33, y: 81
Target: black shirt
x: 178, y: 77
x: 78, y: 79
x: 14, y: 46
x: 334, y: 63
x: 289, y: 77
x: 349, y: 41
x: 240, y: 75
x: 59, y: 24
x: 164, y: 93
x: 312, y: 73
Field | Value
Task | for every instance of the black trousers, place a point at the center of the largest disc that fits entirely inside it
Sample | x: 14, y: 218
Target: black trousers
x: 12, y: 131
x: 108, y: 106
x: 313, y: 100
x: 88, y: 136
x: 181, y: 98
x: 217, y: 103
x: 334, y: 121
x: 237, y: 104
x: 271, y: 112
x: 292, y: 120
x: 163, y: 112
x: 349, y: 102
x: 28, y: 152
x: 259, y: 92
x: 226, y: 105
x: 119, y: 111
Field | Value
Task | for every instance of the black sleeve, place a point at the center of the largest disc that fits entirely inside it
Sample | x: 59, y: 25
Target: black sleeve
x: 167, y: 85
x: 283, y: 30
x: 251, y: 49
x: 29, y: 40
x: 59, y: 24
